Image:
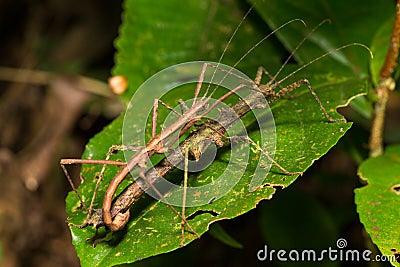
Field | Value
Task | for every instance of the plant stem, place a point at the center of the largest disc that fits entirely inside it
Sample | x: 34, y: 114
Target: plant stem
x: 386, y: 84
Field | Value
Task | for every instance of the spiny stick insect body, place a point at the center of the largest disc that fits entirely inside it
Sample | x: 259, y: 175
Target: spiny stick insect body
x: 199, y: 109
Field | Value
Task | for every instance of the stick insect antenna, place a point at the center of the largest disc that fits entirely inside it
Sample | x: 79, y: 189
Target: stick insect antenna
x: 296, y: 49
x: 226, y: 49
x: 322, y: 56
x: 254, y: 47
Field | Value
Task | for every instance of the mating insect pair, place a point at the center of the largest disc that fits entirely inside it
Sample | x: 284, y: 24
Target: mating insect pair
x: 200, y: 108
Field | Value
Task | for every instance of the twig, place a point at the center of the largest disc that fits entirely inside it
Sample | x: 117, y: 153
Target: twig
x: 386, y: 84
x: 38, y: 77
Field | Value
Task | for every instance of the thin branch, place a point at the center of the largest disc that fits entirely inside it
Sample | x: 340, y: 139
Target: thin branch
x: 38, y: 77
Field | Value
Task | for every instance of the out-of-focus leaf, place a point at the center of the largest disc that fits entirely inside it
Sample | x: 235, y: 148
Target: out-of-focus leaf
x: 378, y: 202
x: 219, y: 233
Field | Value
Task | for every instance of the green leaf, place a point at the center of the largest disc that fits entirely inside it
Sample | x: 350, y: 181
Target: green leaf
x: 343, y: 29
x: 219, y: 233
x: 378, y: 202
x: 157, y: 34
x: 380, y: 47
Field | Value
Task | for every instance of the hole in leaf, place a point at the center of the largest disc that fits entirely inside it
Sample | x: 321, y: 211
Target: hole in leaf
x: 276, y: 186
x: 199, y: 212
x: 396, y: 189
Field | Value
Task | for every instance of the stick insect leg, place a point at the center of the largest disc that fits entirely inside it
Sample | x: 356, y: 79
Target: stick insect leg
x: 227, y: 72
x: 260, y: 71
x: 193, y: 121
x: 269, y: 88
x: 248, y: 139
x: 296, y: 85
x: 142, y: 175
x: 155, y: 114
x: 185, y: 178
x: 306, y: 82
x: 200, y: 82
x: 64, y: 162
x: 73, y: 185
x: 201, y: 79
x: 276, y: 164
x: 111, y: 150
x: 184, y: 108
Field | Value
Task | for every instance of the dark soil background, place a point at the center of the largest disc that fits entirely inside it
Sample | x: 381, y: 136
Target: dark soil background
x: 46, y: 116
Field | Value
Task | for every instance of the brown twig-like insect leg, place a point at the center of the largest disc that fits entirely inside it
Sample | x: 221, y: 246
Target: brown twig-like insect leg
x: 155, y: 115
x: 111, y: 150
x: 269, y: 88
x: 64, y: 162
x: 260, y: 71
x: 142, y: 166
x: 248, y: 139
x: 72, y: 185
x: 200, y: 82
x: 307, y: 83
x: 185, y: 178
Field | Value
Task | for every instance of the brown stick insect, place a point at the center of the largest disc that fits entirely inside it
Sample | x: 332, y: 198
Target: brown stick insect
x: 157, y: 144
